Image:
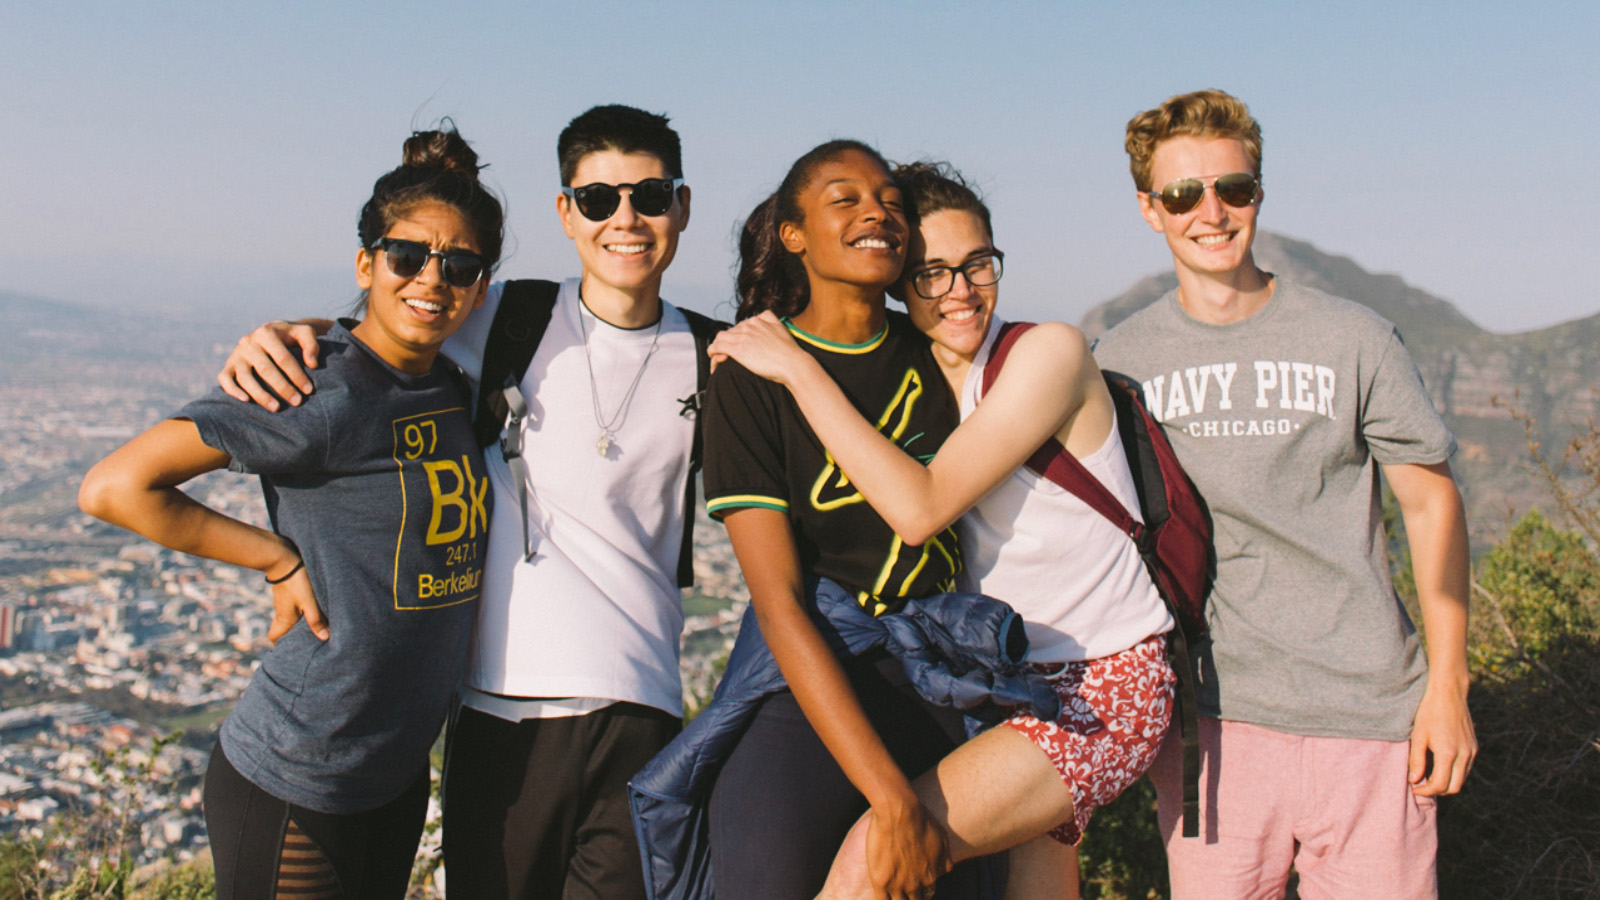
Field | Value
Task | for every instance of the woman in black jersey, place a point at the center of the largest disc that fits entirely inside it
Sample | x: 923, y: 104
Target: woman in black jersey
x: 820, y: 253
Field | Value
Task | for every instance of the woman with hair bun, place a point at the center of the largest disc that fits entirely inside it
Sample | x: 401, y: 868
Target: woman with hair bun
x: 318, y: 785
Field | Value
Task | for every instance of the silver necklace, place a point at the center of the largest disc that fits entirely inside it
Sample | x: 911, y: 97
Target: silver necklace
x: 608, y: 426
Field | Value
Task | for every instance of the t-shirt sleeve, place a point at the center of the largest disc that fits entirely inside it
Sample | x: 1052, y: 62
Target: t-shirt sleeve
x: 744, y: 460
x: 1399, y: 422
x: 260, y: 442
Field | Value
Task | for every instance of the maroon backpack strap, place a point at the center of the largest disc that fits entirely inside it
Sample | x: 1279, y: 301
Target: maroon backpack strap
x: 1051, y: 460
x: 1003, y: 342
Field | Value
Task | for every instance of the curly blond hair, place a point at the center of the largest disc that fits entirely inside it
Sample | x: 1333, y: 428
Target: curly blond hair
x: 1208, y: 114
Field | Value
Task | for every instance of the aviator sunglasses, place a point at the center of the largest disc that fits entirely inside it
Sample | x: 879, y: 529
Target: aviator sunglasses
x: 649, y: 196
x: 407, y: 259
x: 1236, y: 189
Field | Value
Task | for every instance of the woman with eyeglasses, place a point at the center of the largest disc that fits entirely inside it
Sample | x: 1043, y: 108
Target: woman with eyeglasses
x: 318, y: 786
x: 1095, y: 619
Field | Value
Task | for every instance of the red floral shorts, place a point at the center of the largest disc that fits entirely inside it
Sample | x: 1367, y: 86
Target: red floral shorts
x: 1114, y: 715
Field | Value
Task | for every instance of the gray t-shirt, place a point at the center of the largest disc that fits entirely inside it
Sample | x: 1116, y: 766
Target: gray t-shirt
x: 1282, y: 420
x: 378, y: 481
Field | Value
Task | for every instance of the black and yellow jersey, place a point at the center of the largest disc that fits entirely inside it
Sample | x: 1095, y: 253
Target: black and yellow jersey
x: 760, y: 452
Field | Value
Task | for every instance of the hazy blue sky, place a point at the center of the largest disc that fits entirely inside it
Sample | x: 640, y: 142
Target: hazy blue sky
x: 175, y: 155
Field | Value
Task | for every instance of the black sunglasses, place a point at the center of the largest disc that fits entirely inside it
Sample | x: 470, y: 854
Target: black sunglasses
x: 1236, y: 189
x: 407, y: 259
x: 649, y: 197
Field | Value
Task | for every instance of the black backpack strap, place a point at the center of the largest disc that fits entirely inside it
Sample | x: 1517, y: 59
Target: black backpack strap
x: 704, y: 330
x: 519, y: 325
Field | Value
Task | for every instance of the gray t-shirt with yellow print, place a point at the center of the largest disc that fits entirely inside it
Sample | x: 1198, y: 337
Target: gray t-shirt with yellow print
x: 1282, y: 421
x: 378, y: 481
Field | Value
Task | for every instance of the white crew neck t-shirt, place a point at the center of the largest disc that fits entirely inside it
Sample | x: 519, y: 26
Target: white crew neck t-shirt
x: 595, y: 616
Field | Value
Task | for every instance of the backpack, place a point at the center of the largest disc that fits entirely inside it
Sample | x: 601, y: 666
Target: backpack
x: 519, y: 324
x: 1174, y: 540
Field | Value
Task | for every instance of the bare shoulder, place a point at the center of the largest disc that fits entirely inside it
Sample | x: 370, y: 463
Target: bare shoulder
x: 1059, y: 346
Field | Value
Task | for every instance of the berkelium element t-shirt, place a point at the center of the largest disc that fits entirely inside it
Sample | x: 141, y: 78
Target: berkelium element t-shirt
x: 378, y: 481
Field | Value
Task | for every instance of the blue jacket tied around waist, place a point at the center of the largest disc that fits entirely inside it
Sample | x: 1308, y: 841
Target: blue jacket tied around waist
x: 959, y: 650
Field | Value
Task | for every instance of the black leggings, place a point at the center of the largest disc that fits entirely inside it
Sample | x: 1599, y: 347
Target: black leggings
x: 782, y: 806
x: 264, y: 848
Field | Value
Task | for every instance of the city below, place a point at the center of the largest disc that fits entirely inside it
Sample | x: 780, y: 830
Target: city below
x: 111, y: 645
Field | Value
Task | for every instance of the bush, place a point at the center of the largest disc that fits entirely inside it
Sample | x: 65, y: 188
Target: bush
x: 1528, y: 822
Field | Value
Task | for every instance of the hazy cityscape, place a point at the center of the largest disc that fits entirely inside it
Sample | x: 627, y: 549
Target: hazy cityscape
x: 109, y: 643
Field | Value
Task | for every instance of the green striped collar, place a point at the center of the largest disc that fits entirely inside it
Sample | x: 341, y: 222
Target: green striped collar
x: 867, y: 346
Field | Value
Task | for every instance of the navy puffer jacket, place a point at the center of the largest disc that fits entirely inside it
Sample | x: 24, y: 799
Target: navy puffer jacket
x: 959, y: 650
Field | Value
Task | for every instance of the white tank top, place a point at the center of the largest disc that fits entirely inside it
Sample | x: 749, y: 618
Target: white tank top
x: 1074, y: 577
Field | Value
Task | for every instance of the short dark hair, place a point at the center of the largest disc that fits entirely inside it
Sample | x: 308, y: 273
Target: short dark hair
x: 624, y: 129
x: 931, y: 187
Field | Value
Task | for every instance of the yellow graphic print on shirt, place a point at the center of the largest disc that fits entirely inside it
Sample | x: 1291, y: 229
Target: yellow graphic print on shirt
x: 440, y: 565
x: 833, y: 489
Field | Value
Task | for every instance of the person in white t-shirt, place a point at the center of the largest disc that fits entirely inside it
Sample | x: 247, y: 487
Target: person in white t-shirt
x: 573, y: 683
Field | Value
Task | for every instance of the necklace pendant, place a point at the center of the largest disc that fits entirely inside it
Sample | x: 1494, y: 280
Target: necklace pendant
x: 603, y: 445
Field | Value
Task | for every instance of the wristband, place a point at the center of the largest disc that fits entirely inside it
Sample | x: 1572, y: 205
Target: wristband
x: 298, y: 565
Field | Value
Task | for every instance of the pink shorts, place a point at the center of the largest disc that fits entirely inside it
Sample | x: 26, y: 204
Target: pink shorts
x: 1114, y: 714
x: 1339, y: 810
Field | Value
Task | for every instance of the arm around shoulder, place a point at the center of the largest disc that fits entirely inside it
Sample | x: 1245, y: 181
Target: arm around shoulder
x: 261, y: 367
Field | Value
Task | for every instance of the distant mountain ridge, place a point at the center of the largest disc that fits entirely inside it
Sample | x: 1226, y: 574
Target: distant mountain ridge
x: 1553, y: 372
x: 66, y: 340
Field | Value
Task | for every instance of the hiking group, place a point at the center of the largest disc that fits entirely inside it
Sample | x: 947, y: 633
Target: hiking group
x: 975, y: 589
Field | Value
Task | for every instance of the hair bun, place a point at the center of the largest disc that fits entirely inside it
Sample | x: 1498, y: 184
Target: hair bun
x: 442, y: 149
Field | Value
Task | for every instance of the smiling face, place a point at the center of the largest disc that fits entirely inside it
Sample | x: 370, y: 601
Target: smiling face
x: 408, y: 318
x: 958, y: 321
x: 627, y: 253
x: 1213, y: 239
x: 853, y: 228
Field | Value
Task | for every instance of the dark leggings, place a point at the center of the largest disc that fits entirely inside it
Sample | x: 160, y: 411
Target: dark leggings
x: 782, y: 806
x: 265, y: 848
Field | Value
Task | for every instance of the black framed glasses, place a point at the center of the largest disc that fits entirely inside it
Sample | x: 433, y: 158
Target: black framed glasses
x: 936, y: 281
x: 407, y: 259
x: 1236, y: 189
x: 648, y: 196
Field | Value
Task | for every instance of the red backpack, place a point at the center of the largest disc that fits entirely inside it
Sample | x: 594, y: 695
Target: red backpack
x: 1174, y: 540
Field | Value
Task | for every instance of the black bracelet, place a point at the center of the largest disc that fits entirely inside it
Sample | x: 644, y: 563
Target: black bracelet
x: 298, y: 565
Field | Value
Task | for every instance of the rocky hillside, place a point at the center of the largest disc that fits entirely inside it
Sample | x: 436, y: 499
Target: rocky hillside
x: 1553, y: 372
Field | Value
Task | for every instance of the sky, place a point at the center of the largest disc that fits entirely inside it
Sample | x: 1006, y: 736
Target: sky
x: 209, y: 158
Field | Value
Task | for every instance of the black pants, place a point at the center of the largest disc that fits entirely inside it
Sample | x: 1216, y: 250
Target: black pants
x: 538, y: 809
x: 263, y: 847
x: 782, y: 806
